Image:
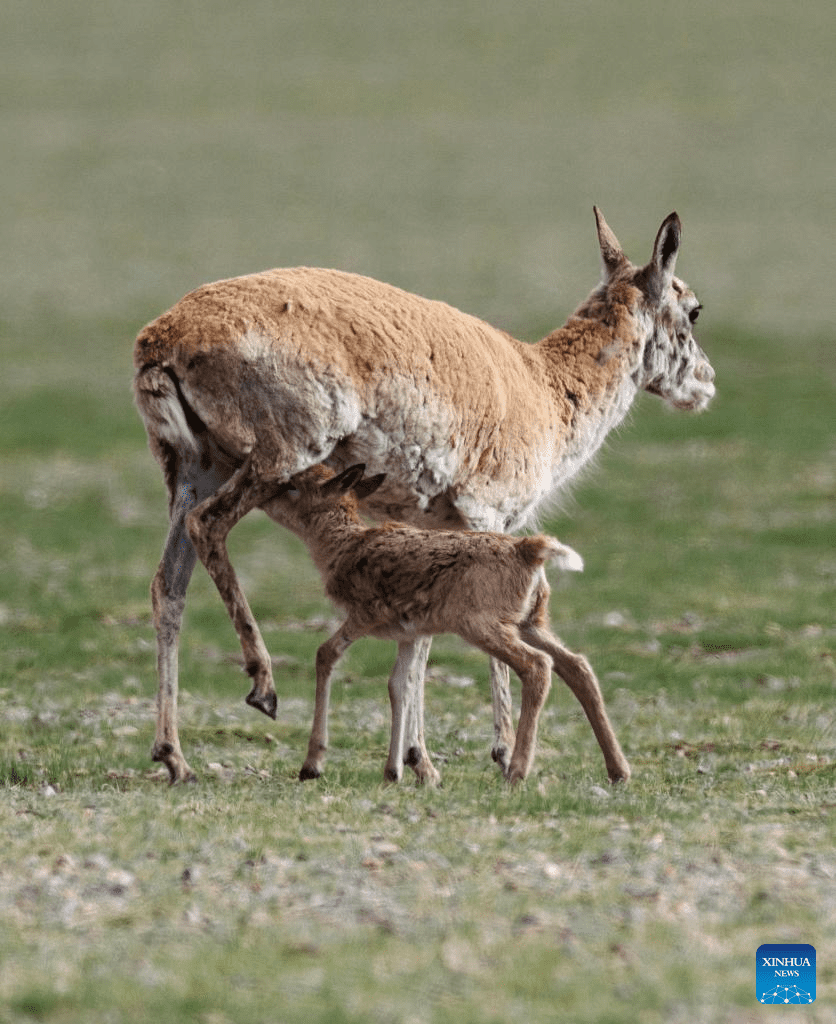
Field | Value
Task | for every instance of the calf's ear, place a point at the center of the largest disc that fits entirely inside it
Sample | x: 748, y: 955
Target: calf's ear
x: 346, y: 480
x: 366, y: 487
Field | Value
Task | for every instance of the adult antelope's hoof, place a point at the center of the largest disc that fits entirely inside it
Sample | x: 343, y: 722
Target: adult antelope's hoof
x: 307, y: 772
x: 502, y: 756
x: 424, y: 769
x: 178, y: 768
x: 268, y: 703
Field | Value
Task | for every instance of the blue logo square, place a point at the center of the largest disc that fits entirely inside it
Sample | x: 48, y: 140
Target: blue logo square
x: 785, y: 973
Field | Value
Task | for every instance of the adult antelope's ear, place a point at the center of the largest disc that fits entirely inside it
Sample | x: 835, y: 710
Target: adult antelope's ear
x: 665, y: 250
x: 346, y: 480
x: 612, y: 255
x: 369, y: 486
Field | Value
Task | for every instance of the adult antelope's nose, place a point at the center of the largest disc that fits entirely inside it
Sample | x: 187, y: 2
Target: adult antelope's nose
x: 705, y: 373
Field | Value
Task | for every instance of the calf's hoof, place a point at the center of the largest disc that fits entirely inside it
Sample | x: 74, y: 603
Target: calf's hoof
x: 620, y: 774
x: 308, y: 771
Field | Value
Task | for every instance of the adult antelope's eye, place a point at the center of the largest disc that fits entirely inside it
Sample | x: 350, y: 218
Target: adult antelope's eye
x: 694, y: 314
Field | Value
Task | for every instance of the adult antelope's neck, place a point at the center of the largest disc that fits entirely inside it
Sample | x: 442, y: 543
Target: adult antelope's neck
x: 589, y: 364
x: 590, y: 368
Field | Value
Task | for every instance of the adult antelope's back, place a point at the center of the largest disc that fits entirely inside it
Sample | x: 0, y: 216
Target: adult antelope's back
x: 248, y: 381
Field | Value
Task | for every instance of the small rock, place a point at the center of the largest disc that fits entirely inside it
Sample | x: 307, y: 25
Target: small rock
x: 385, y: 849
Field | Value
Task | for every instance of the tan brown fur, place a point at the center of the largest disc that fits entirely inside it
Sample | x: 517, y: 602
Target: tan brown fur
x: 248, y: 381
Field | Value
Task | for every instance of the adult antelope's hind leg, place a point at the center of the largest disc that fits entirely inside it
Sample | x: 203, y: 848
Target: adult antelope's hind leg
x: 208, y: 526
x: 168, y: 598
x: 503, y: 715
x: 406, y: 697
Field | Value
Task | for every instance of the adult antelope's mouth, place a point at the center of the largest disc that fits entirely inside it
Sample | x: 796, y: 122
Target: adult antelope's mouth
x: 696, y: 402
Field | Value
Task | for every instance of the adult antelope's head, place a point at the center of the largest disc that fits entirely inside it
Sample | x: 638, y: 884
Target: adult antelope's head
x: 672, y: 365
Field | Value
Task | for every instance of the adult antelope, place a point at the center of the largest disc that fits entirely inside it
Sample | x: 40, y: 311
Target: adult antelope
x: 248, y: 381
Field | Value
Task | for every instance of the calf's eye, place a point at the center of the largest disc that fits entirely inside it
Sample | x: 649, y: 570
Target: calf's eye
x: 694, y: 314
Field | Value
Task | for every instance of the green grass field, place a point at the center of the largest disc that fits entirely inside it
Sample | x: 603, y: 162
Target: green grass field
x: 455, y: 150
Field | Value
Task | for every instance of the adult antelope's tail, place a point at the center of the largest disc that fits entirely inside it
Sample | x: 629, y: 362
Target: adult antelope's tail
x: 167, y: 415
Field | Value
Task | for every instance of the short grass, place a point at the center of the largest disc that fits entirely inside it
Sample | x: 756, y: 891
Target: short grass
x: 455, y: 150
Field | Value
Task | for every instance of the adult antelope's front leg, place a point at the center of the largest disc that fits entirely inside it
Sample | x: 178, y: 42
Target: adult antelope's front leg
x: 406, y: 697
x: 503, y: 715
x: 208, y: 526
x: 414, y: 748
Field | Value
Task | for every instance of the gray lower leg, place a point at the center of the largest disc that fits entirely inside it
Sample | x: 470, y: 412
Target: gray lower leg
x: 414, y: 749
x: 503, y: 715
x: 168, y: 598
x: 406, y: 697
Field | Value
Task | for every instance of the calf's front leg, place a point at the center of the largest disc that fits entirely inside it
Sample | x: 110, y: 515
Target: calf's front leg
x: 326, y: 657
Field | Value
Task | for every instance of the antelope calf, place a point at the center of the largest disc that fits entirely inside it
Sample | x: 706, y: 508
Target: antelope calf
x: 397, y: 582
x: 245, y: 382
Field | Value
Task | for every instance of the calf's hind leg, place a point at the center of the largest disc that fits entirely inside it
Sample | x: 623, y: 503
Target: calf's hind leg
x: 577, y: 673
x: 534, y: 669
